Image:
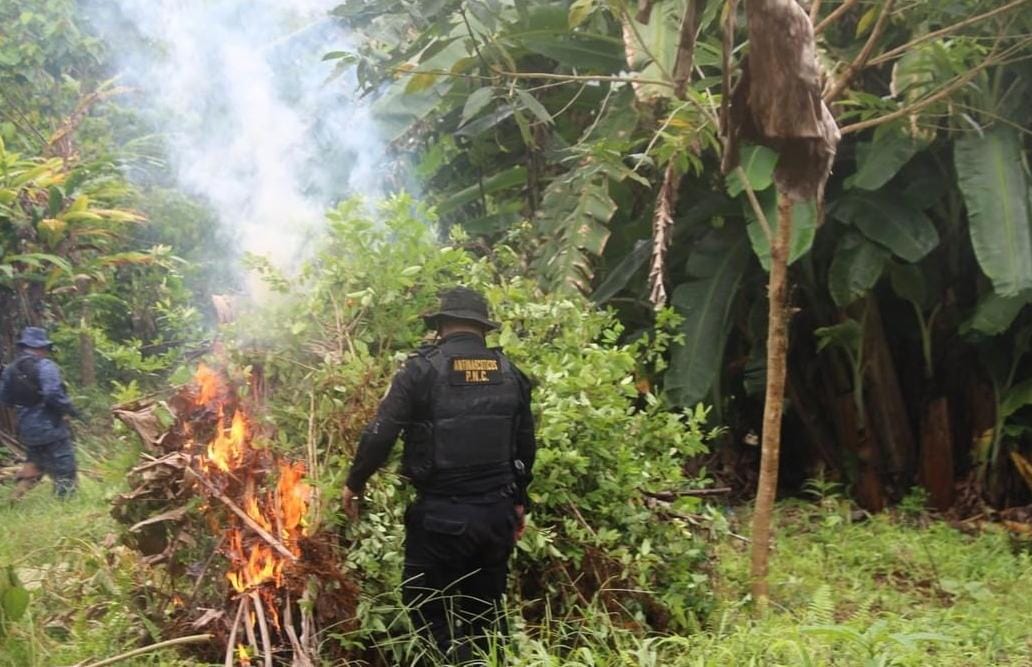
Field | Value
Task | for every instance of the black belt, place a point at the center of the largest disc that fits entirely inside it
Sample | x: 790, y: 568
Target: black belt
x: 508, y: 491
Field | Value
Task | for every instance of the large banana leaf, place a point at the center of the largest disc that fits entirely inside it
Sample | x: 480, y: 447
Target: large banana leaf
x: 583, y: 51
x: 994, y: 314
x: 880, y: 159
x: 661, y: 36
x: 855, y: 268
x: 887, y: 219
x: 503, y: 180
x: 717, y: 265
x: 995, y: 187
x: 621, y: 274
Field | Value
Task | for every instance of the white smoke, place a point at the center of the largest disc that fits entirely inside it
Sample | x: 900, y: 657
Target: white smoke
x: 251, y: 121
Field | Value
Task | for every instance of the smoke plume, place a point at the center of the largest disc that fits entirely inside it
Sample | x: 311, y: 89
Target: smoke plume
x: 240, y: 93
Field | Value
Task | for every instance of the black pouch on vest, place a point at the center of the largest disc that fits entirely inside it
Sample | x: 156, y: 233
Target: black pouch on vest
x: 417, y: 460
x: 24, y: 388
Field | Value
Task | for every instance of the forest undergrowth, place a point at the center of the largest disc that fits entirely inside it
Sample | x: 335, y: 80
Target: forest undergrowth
x: 901, y: 588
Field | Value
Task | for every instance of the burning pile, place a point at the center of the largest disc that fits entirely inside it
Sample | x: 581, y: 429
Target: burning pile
x: 253, y: 512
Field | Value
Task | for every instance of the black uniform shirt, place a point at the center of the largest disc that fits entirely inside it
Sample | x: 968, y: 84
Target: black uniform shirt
x: 408, y: 401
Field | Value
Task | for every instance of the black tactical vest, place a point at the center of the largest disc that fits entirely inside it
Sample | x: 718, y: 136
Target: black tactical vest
x: 474, y: 401
x: 24, y: 388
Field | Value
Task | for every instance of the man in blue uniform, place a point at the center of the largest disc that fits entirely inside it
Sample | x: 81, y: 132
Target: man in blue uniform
x: 464, y: 412
x: 32, y: 384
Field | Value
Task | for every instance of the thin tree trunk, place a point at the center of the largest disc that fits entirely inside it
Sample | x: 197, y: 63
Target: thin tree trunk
x: 777, y: 353
x: 87, y: 359
x: 937, y: 469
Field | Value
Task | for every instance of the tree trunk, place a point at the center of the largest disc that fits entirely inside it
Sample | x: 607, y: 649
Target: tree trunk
x: 886, y: 405
x: 87, y: 360
x: 777, y: 353
x: 937, y: 453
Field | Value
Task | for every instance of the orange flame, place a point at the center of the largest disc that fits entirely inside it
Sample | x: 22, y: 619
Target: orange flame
x: 281, y: 512
x: 227, y: 449
x: 210, y: 385
x: 292, y: 494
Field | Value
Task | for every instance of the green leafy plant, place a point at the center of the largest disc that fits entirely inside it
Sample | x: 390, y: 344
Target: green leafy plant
x: 337, y: 332
x: 14, y: 599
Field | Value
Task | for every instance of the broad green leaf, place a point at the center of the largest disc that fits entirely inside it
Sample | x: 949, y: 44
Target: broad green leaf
x: 475, y: 103
x: 531, y: 104
x: 880, y: 159
x: 717, y: 265
x: 867, y: 20
x: 584, y: 51
x: 908, y: 282
x: 804, y: 227
x: 618, y: 277
x: 15, y: 601
x: 342, y: 56
x: 888, y: 220
x: 758, y: 163
x: 995, y: 314
x: 486, y: 122
x: 996, y: 191
x: 1016, y: 398
x: 509, y: 178
x: 579, y: 11
x: 419, y: 82
x: 847, y: 335
x: 855, y: 268
x: 661, y: 36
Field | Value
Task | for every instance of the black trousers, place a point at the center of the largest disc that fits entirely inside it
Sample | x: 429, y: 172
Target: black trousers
x: 56, y: 459
x: 456, y: 567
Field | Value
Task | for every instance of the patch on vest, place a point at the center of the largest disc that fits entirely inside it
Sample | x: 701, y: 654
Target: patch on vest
x: 466, y: 371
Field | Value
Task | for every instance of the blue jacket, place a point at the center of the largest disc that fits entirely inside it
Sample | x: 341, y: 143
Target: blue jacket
x: 43, y: 423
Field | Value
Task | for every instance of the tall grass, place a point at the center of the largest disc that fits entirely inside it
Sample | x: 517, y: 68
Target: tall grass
x: 889, y: 590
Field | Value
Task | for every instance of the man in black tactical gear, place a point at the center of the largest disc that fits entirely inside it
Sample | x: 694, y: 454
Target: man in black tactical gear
x: 32, y: 384
x: 464, y: 411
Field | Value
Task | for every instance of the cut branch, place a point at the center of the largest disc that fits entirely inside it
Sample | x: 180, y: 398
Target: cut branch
x: 815, y: 10
x: 248, y: 521
x: 231, y: 642
x: 834, y: 16
x: 754, y: 203
x: 179, y: 641
x: 575, y: 77
x: 671, y: 496
x: 263, y: 626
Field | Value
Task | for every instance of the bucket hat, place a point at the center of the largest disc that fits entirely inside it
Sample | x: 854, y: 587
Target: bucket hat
x: 35, y: 338
x: 461, y: 303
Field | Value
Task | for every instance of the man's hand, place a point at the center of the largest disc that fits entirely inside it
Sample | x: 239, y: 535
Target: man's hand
x: 521, y: 521
x: 350, y: 503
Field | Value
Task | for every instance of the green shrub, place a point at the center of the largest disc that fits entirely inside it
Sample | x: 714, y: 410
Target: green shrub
x: 333, y: 335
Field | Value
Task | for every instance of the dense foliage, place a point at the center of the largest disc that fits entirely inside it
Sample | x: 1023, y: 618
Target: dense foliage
x: 570, y: 163
x: 345, y: 323
x: 588, y: 120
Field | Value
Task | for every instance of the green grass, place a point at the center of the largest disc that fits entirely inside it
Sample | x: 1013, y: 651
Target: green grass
x: 889, y: 590
x: 84, y: 587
